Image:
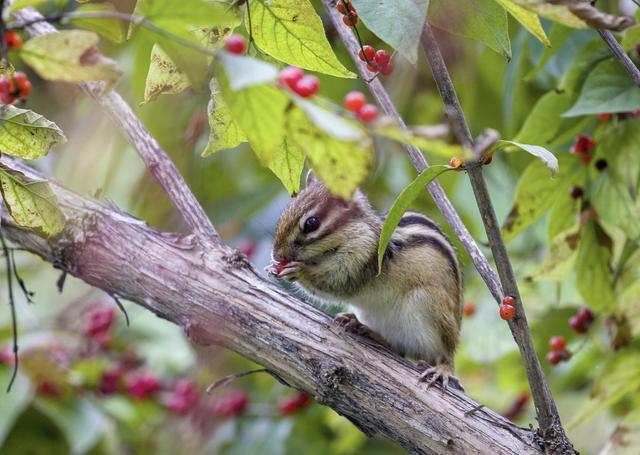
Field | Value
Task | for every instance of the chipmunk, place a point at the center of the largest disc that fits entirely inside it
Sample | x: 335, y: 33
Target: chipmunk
x: 328, y: 246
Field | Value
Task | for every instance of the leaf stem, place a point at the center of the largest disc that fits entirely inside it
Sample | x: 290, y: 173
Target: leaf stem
x: 620, y: 55
x: 12, y: 305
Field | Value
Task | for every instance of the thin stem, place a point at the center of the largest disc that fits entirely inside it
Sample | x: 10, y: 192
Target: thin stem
x: 546, y: 409
x: 419, y: 162
x: 12, y: 306
x: 620, y: 55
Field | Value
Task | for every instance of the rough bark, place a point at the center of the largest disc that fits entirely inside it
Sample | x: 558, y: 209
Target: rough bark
x: 217, y: 297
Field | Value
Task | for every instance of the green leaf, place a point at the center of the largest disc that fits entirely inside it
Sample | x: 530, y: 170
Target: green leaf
x: 631, y: 37
x: 615, y: 205
x: 621, y: 375
x: 542, y: 153
x: 594, y: 272
x: 535, y: 193
x: 529, y: 20
x: 402, y: 204
x: 19, y: 4
x: 112, y: 29
x: 164, y: 76
x: 608, y: 88
x: 81, y: 421
x: 31, y: 204
x: 618, y: 143
x: 333, y: 124
x: 14, y: 403
x: 565, y: 210
x: 243, y: 71
x: 558, y: 36
x: 259, y: 110
x: 225, y: 132
x: 26, y: 134
x: 545, y: 124
x: 481, y: 20
x: 560, y: 260
x: 557, y: 13
x: 187, y: 22
x: 69, y: 56
x: 341, y: 165
x: 437, y: 147
x: 581, y: 65
x: 287, y: 165
x: 291, y: 31
x: 398, y: 23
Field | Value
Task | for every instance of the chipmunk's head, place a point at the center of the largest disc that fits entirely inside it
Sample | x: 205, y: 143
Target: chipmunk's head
x: 316, y: 225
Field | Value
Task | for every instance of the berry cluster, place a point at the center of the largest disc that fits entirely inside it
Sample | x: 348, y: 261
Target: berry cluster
x: 236, y: 44
x: 356, y: 102
x: 12, y: 39
x: 583, y: 147
x: 350, y: 17
x: 582, y: 320
x: 559, y: 352
x: 293, y: 404
x: 508, y: 308
x: 606, y: 116
x: 14, y: 88
x: 294, y: 78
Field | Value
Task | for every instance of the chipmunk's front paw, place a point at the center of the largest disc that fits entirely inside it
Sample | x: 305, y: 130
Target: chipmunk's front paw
x: 440, y: 373
x: 284, y: 270
x: 350, y: 323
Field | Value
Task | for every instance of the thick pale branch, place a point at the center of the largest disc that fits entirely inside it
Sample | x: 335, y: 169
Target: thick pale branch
x: 154, y: 157
x: 215, y: 295
x: 417, y: 158
x: 552, y: 430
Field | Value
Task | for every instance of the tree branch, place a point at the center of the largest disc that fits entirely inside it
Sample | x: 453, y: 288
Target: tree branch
x: 620, y: 55
x: 154, y: 157
x: 417, y: 158
x: 552, y: 431
x: 217, y: 297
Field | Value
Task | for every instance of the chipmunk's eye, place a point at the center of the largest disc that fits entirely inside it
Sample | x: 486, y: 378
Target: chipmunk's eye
x: 311, y: 224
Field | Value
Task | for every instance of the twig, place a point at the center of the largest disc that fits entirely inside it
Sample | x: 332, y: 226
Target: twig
x: 232, y: 377
x: 27, y: 294
x: 546, y: 409
x: 620, y: 55
x: 119, y: 303
x: 155, y: 158
x: 12, y: 306
x: 419, y: 162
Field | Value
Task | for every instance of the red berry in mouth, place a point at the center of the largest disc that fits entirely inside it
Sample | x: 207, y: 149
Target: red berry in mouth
x: 367, y: 53
x: 368, y: 113
x: 290, y: 76
x: 353, y: 101
x: 557, y: 343
x: 507, y: 312
x: 235, y: 44
x: 280, y: 265
x: 382, y: 57
x: 307, y: 86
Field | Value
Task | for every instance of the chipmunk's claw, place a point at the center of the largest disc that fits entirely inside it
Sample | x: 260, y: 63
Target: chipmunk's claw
x: 349, y: 322
x: 439, y: 373
x: 289, y: 272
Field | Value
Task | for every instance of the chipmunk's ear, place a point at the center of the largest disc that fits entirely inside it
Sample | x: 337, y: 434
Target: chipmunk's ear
x: 311, y: 178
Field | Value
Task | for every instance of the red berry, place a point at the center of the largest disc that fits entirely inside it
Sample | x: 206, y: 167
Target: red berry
x: 100, y: 321
x: 382, y: 57
x: 232, y: 405
x: 48, y: 389
x: 586, y: 315
x: 19, y: 78
x: 576, y: 192
x: 456, y: 162
x: 507, y: 312
x: 372, y: 68
x: 13, y: 40
x: 386, y: 69
x: 508, y: 300
x: 142, y: 384
x: 290, y: 76
x: 367, y: 53
x: 110, y: 380
x: 578, y: 325
x: 307, y: 86
x: 557, y: 343
x: 5, y: 90
x: 585, y: 158
x: 486, y: 157
x: 184, y: 397
x: 6, y: 356
x: 468, y: 309
x: 554, y: 357
x: 293, y: 404
x: 368, y: 113
x: 25, y: 89
x: 350, y: 19
x: 583, y: 144
x: 604, y: 116
x: 281, y: 265
x: 353, y: 101
x: 340, y: 7
x: 235, y: 44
